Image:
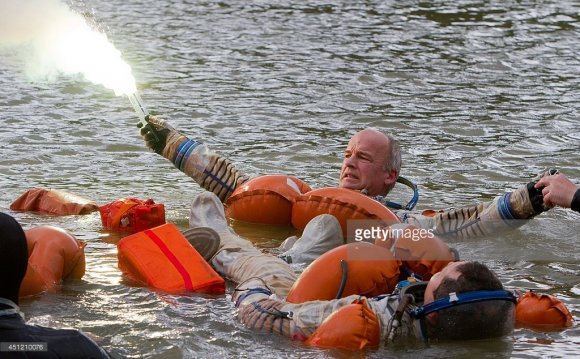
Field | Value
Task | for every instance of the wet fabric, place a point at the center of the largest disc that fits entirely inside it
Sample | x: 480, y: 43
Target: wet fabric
x: 575, y: 205
x: 505, y: 212
x: 53, y: 201
x: 511, y: 210
x: 264, y: 281
x: 321, y: 234
x: 61, y: 343
x: 13, y: 257
x: 212, y: 172
x: 237, y: 259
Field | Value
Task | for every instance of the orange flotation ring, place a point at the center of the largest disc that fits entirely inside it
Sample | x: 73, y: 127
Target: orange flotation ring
x: 265, y: 199
x: 162, y: 258
x: 542, y: 312
x: 421, y: 253
x: 352, y: 327
x: 53, y: 201
x: 370, y: 271
x: 53, y: 255
x: 344, y: 204
x: 284, y: 200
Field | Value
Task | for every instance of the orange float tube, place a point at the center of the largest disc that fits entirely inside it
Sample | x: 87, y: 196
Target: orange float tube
x: 162, y: 258
x: 344, y: 204
x: 352, y: 327
x: 266, y: 199
x: 421, y: 252
x: 53, y: 256
x: 54, y: 202
x: 542, y: 312
x: 371, y: 270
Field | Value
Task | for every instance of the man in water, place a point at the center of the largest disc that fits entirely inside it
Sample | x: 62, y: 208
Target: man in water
x: 263, y: 281
x: 61, y: 343
x: 371, y: 164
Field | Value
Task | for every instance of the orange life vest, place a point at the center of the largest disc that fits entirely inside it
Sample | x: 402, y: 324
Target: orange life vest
x: 162, y: 258
x: 542, y: 312
x: 265, y: 199
x: 354, y: 268
x: 53, y: 256
x: 352, y: 327
x: 284, y: 200
x: 422, y: 254
x: 53, y: 201
x: 344, y: 204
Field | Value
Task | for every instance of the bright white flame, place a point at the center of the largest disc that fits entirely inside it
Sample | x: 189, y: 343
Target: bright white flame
x: 59, y: 40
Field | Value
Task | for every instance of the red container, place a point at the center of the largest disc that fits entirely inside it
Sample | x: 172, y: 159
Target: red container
x: 130, y: 215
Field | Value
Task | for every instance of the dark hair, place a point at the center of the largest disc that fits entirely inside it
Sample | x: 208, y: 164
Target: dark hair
x: 13, y: 257
x: 480, y: 320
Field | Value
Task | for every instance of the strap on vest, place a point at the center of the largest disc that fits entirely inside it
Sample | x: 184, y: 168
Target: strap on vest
x: 411, y: 204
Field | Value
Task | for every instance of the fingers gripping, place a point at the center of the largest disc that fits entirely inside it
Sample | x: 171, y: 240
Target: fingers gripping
x: 154, y: 133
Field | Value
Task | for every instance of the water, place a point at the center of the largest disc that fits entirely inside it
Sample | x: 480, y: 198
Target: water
x: 482, y: 95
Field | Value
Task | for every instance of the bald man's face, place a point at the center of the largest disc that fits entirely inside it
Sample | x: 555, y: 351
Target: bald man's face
x: 364, y: 162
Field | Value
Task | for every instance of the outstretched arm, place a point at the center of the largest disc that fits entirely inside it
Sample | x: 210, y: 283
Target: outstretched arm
x: 209, y: 170
x: 510, y: 210
x: 558, y: 190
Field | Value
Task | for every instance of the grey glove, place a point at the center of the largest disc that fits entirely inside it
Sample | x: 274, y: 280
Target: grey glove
x: 155, y: 133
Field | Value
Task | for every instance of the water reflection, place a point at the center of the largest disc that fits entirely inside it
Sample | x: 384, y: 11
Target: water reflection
x: 482, y: 95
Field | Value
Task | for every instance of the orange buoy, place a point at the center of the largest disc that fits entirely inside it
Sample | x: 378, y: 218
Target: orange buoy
x: 352, y: 327
x: 421, y: 252
x: 542, y: 312
x: 355, y: 268
x: 266, y: 199
x: 344, y: 204
x: 54, y: 255
x: 54, y: 202
x: 162, y: 258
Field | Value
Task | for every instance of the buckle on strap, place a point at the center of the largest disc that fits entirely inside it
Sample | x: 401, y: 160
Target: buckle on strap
x: 455, y: 299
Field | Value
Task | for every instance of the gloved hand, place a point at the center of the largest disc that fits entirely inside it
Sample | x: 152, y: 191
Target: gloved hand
x: 550, y: 172
x: 155, y: 133
x: 536, y: 196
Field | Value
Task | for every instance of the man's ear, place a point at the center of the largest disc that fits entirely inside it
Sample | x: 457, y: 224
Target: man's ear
x: 391, y: 178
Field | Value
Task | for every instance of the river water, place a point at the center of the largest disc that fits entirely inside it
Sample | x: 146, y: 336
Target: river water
x: 483, y: 95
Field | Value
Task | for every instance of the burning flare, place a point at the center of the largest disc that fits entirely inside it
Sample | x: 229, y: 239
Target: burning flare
x: 56, y: 40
